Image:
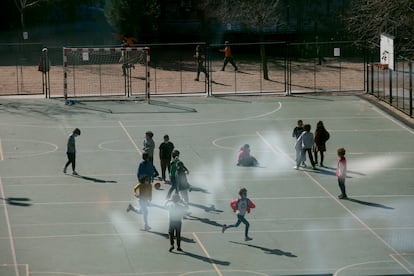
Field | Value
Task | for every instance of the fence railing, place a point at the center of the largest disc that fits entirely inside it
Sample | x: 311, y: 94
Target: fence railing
x: 285, y: 68
x: 392, y: 86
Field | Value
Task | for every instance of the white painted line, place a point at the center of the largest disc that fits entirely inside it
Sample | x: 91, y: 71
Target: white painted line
x: 10, y: 235
x: 341, y: 204
x: 1, y: 151
x: 207, y: 254
x: 130, y: 137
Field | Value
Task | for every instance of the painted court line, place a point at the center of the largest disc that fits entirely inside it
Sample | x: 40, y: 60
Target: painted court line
x: 130, y: 137
x: 10, y: 235
x: 340, y: 203
x: 207, y: 254
x: 1, y: 151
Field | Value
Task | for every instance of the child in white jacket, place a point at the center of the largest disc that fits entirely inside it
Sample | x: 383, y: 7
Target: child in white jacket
x: 305, y: 142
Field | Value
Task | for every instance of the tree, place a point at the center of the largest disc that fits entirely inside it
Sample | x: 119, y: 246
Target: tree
x: 367, y: 19
x: 22, y: 5
x: 132, y: 17
x: 258, y: 13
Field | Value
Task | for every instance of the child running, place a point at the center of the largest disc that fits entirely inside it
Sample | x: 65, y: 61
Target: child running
x: 241, y: 206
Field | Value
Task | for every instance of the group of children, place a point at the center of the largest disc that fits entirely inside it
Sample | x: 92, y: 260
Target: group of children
x: 315, y: 143
x: 177, y: 204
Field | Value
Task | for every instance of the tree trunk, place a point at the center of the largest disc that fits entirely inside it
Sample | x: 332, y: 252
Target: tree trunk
x: 263, y: 57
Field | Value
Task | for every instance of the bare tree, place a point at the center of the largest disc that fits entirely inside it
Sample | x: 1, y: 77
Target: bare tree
x: 22, y: 5
x: 367, y: 19
x: 258, y: 14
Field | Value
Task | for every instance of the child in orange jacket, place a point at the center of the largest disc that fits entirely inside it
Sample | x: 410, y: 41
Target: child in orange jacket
x: 241, y: 206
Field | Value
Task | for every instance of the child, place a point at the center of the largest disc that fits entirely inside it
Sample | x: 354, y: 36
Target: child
x: 143, y: 191
x: 320, y: 137
x: 181, y: 181
x: 241, y: 206
x: 71, y: 151
x: 341, y: 172
x: 245, y: 159
x: 176, y: 211
x: 305, y: 141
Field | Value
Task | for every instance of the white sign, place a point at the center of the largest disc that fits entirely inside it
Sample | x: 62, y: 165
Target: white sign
x: 85, y: 56
x: 387, y: 50
x: 337, y: 52
x: 25, y: 35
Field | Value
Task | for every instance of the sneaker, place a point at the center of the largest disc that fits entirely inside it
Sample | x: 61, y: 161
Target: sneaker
x: 296, y: 167
x: 179, y: 249
x: 196, y: 79
x: 171, y: 248
x: 64, y: 170
x: 129, y: 208
x: 247, y: 238
x: 342, y: 197
x: 75, y: 173
x: 147, y: 228
x: 223, y: 228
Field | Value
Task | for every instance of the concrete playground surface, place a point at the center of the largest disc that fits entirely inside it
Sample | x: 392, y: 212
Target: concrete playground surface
x: 59, y: 224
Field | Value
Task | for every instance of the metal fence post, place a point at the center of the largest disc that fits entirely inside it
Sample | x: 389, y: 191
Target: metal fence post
x: 410, y: 69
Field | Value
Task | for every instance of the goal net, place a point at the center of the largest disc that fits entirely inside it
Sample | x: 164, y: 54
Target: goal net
x: 122, y: 71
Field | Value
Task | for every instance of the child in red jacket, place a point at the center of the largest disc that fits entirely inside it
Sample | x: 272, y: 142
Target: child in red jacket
x: 241, y: 206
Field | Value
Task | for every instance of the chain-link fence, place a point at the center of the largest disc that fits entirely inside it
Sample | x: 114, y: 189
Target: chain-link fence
x: 260, y: 68
x: 392, y: 86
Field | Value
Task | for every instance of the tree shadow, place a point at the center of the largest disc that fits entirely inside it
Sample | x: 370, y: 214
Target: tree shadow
x: 269, y: 250
x: 18, y: 201
x: 372, y: 204
x: 204, y: 220
x: 204, y: 259
x: 208, y: 209
x: 97, y: 180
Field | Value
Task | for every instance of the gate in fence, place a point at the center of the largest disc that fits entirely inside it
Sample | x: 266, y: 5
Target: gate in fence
x: 261, y: 68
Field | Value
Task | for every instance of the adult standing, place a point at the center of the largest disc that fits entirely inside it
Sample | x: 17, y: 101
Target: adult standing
x: 321, y: 136
x: 71, y: 151
x: 228, y: 57
x: 165, y: 152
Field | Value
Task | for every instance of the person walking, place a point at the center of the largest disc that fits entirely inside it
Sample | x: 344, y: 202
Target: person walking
x: 71, y: 151
x: 176, y: 212
x: 181, y: 181
x: 321, y: 136
x: 297, y: 131
x: 305, y: 141
x: 241, y: 206
x: 143, y: 191
x: 173, y: 169
x: 228, y: 57
x: 341, y: 172
x: 165, y: 150
x: 148, y: 147
x: 200, y: 58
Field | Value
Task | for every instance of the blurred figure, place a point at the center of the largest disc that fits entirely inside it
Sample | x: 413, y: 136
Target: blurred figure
x: 245, y: 159
x: 321, y: 136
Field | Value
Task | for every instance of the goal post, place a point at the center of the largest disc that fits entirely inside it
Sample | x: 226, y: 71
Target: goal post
x: 116, y: 71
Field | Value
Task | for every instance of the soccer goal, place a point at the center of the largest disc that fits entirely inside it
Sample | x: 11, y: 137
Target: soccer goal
x: 119, y: 71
